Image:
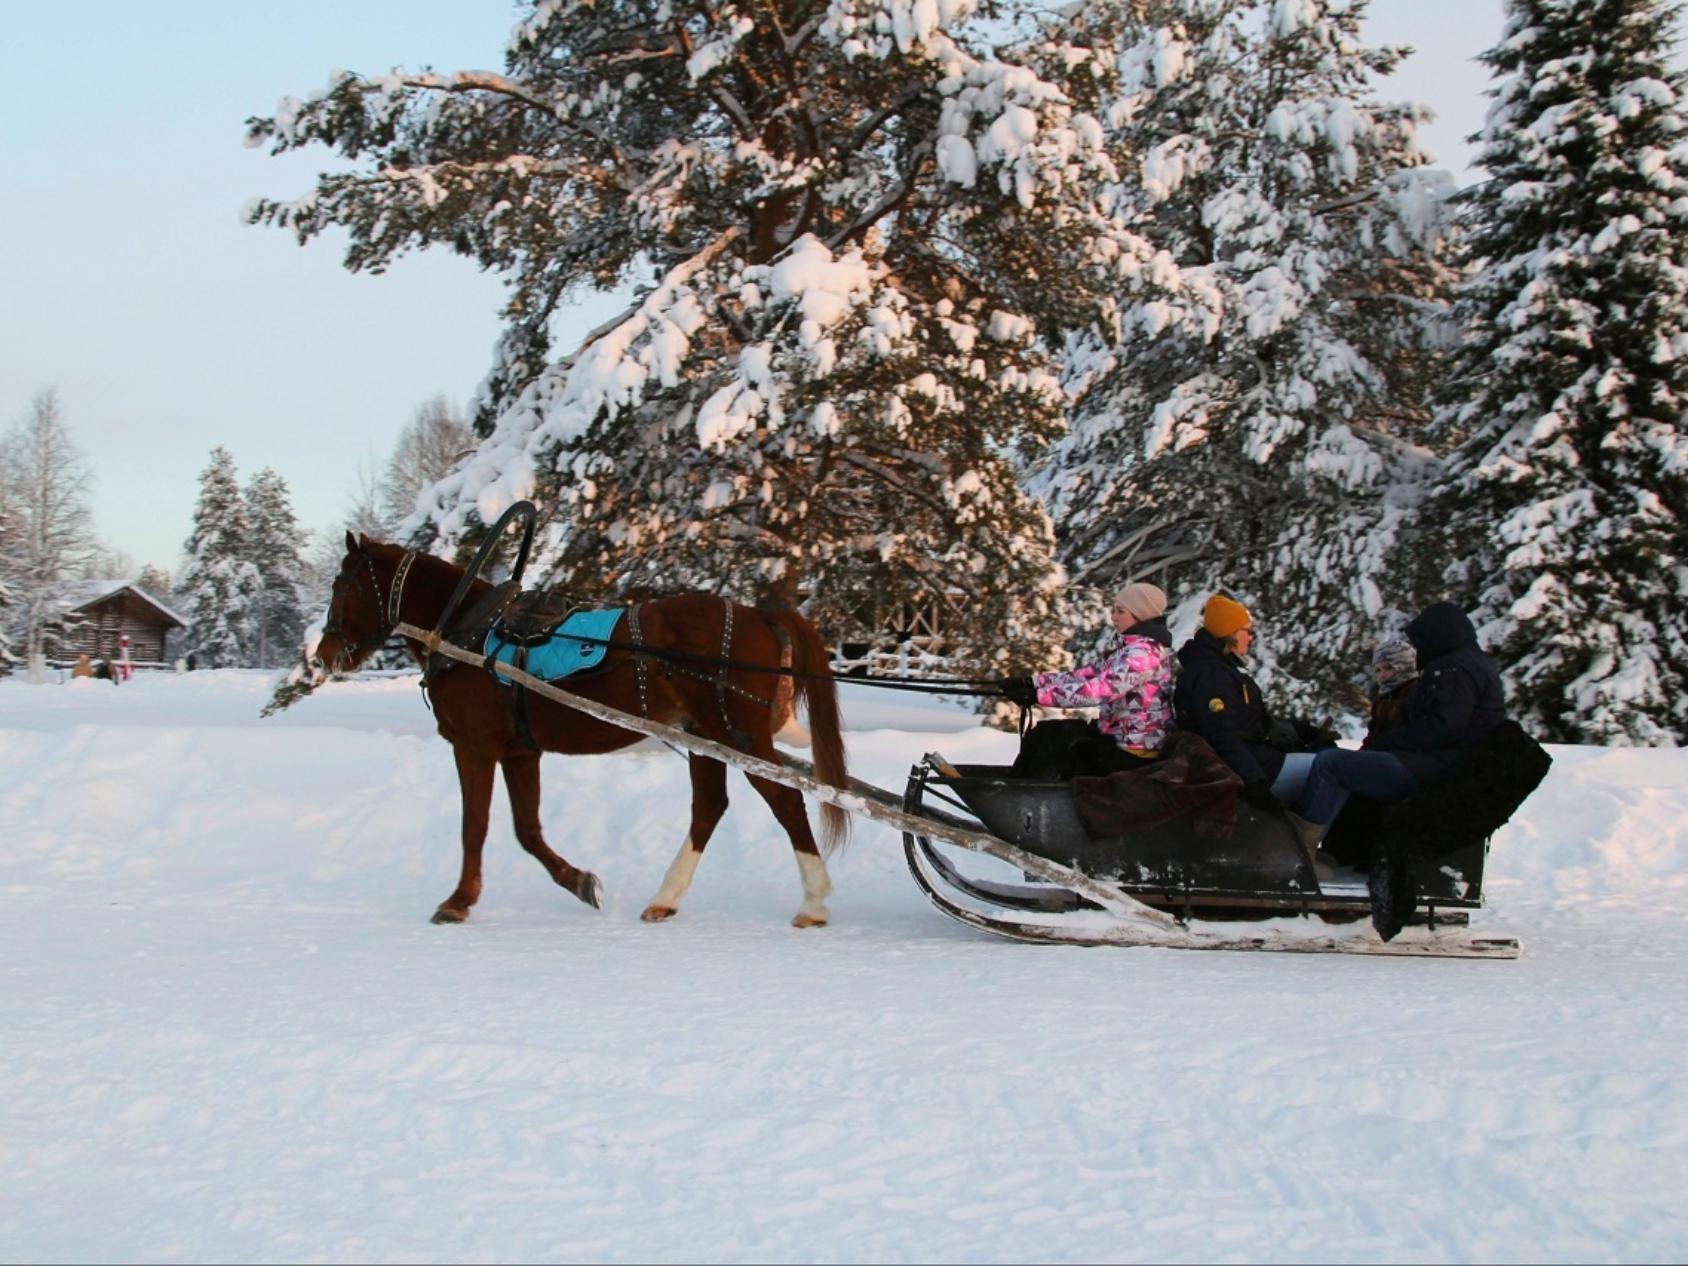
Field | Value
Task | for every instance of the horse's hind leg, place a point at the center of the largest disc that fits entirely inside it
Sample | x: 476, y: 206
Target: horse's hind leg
x: 787, y: 804
x: 474, y: 780
x: 709, y: 802
x: 521, y: 780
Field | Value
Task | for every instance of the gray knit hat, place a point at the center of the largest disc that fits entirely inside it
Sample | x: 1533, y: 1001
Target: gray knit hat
x: 1394, y: 661
x: 1141, y: 601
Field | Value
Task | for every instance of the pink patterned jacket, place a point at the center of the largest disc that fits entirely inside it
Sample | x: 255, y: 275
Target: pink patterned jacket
x: 1132, y: 685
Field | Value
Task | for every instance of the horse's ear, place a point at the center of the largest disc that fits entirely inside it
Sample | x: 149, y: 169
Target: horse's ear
x: 351, y: 542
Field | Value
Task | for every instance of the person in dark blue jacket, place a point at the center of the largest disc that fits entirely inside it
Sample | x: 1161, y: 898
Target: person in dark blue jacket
x: 1216, y: 698
x: 1455, y: 701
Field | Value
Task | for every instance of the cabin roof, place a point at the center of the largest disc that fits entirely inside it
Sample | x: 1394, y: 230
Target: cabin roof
x: 78, y: 595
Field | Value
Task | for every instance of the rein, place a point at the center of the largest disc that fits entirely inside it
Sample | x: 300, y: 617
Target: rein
x: 389, y: 603
x: 911, y: 685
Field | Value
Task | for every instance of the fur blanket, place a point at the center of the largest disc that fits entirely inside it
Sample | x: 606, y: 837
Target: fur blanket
x: 1189, y: 780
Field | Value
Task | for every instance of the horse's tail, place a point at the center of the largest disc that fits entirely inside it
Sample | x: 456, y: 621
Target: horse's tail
x: 812, y: 677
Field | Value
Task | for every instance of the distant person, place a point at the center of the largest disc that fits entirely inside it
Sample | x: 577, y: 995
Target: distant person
x: 1217, y: 699
x: 1130, y: 685
x: 1456, y: 699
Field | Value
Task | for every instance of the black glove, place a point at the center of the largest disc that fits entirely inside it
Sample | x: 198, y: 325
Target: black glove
x: 1283, y: 735
x: 1019, y: 690
x: 1259, y: 795
x: 1315, y: 737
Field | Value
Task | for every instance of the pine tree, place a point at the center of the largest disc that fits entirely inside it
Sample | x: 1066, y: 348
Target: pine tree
x: 865, y: 232
x: 1246, y: 434
x: 274, y: 547
x: 1568, y: 496
x: 220, y: 586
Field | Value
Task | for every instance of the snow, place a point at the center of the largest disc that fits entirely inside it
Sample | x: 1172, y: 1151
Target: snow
x: 957, y: 160
x: 231, y: 1033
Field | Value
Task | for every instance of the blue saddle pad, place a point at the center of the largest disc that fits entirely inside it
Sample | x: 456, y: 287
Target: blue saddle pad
x: 562, y: 654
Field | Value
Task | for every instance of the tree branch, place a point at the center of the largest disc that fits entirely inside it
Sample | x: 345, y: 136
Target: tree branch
x: 888, y: 204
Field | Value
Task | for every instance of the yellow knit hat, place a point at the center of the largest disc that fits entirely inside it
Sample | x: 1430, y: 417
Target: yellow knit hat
x: 1223, y: 616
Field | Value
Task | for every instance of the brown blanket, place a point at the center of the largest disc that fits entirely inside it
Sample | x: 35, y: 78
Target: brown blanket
x: 1188, y: 780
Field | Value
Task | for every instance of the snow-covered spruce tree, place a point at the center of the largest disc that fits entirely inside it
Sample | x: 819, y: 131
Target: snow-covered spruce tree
x: 1568, y: 497
x: 1246, y: 434
x: 274, y: 546
x: 857, y: 233
x: 220, y: 586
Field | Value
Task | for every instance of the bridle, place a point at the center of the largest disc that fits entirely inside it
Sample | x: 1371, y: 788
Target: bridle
x: 351, y: 579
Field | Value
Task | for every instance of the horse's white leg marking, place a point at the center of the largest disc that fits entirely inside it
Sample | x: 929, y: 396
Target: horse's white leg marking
x: 679, y: 877
x: 792, y: 733
x: 817, y: 887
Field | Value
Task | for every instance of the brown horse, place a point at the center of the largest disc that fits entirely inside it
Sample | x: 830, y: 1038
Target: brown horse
x: 683, y: 683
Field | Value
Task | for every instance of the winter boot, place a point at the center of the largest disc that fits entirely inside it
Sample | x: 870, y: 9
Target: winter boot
x: 1308, y: 834
x: 1394, y: 894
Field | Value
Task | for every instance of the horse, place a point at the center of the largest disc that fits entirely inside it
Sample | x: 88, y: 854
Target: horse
x: 716, y: 668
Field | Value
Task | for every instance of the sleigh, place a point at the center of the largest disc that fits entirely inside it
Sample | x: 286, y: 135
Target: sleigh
x: 1406, y: 877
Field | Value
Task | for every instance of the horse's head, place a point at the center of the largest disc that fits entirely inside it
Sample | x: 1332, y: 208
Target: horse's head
x: 358, y: 620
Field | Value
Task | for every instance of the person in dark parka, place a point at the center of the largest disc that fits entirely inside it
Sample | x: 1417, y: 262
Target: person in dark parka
x: 1457, y: 698
x: 1455, y: 701
x: 1217, y: 699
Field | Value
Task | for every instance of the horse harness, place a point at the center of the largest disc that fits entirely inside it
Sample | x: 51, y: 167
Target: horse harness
x: 531, y: 618
x: 551, y: 614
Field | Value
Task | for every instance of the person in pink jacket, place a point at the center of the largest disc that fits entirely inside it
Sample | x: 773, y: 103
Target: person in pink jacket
x: 1130, y: 686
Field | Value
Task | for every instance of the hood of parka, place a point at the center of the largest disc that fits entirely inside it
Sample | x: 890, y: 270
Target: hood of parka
x: 1440, y: 628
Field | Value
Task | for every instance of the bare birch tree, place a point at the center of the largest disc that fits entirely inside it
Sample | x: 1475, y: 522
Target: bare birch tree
x: 49, y: 536
x: 434, y: 441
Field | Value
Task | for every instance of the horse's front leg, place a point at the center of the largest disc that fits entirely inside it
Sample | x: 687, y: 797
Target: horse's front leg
x: 474, y: 780
x: 521, y: 780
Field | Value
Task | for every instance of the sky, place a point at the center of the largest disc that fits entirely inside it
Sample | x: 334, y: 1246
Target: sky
x: 129, y: 284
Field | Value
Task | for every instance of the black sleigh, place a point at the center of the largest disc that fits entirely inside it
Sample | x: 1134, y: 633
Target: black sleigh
x: 1199, y: 854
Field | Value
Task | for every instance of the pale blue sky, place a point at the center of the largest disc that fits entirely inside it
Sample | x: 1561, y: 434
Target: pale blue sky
x: 128, y: 282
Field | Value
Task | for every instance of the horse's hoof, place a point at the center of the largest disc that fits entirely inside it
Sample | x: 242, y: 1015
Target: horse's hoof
x: 591, y: 890
x: 804, y: 920
x: 658, y: 914
x: 443, y: 915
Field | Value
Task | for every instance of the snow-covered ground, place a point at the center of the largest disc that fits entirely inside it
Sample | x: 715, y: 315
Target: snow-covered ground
x: 230, y: 1033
